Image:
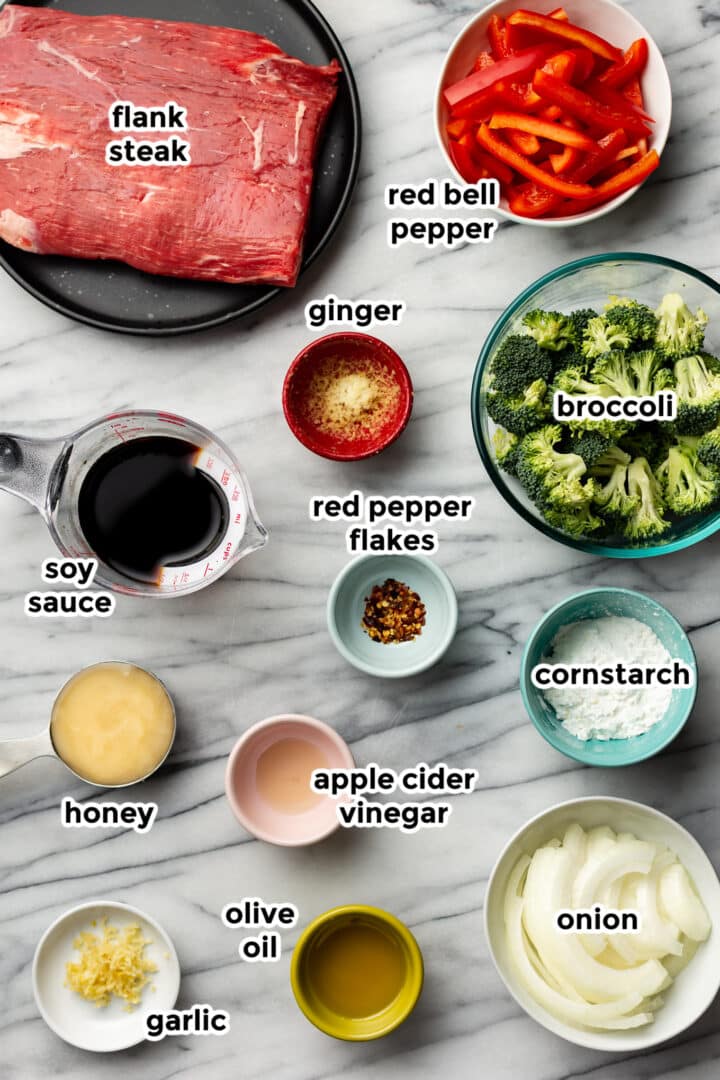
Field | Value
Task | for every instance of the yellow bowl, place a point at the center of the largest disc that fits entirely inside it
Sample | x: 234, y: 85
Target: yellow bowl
x: 352, y: 1028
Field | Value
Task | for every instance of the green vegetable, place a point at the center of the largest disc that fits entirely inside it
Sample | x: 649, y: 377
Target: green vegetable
x: 698, y: 390
x: 602, y: 337
x: 679, y: 332
x: 646, y: 521
x: 614, y: 497
x: 609, y: 460
x: 507, y: 450
x: 578, y: 321
x: 591, y: 446
x: 638, y: 374
x: 552, y: 477
x: 688, y: 485
x: 550, y: 329
x: 708, y: 448
x: 577, y: 524
x: 518, y: 363
x: 520, y: 415
x: 636, y: 319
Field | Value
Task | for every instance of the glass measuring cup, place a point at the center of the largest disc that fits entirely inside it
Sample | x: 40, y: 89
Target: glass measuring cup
x: 49, y: 474
x: 14, y: 753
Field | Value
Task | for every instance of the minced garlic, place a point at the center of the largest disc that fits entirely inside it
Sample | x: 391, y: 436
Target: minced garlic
x: 110, y: 964
x: 350, y: 400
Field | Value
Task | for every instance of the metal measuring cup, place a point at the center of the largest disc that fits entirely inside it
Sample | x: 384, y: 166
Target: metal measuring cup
x: 14, y: 753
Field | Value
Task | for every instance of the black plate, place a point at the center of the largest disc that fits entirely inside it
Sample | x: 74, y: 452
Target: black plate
x: 114, y: 296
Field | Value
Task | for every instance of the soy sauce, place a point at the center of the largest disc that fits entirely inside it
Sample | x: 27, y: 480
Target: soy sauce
x: 144, y: 505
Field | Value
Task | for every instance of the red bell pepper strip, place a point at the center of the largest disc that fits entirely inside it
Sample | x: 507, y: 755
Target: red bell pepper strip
x: 532, y: 20
x: 512, y: 68
x: 497, y: 38
x: 544, y: 129
x: 614, y: 99
x: 534, y: 200
x: 628, y: 178
x: 559, y: 13
x: 493, y: 167
x: 584, y: 65
x: 519, y: 163
x: 456, y: 128
x: 465, y: 163
x: 632, y: 92
x: 483, y: 60
x: 561, y: 65
x: 563, y: 163
x: 586, y: 108
x: 552, y: 112
x: 482, y: 105
x: 529, y: 145
x: 630, y: 67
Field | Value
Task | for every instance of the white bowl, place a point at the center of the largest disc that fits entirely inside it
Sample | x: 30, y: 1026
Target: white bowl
x: 604, y: 17
x: 695, y: 988
x: 80, y: 1022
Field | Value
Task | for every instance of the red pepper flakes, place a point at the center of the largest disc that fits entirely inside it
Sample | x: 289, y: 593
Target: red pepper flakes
x: 393, y: 613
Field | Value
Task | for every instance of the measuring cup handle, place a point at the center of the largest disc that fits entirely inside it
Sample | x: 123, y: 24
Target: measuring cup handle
x: 17, y: 752
x: 27, y: 466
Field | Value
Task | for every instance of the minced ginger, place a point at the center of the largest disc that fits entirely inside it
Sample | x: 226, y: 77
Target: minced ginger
x: 348, y: 401
x: 111, y: 963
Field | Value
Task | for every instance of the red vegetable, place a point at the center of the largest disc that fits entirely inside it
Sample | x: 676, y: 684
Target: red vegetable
x: 562, y: 65
x: 628, y: 178
x: 544, y: 129
x: 520, y: 163
x: 497, y: 38
x: 559, y: 13
x: 473, y: 164
x: 584, y: 65
x: 535, y: 200
x: 586, y: 108
x: 512, y: 68
x: 532, y: 20
x: 482, y: 61
x: 630, y: 67
x: 480, y: 106
x: 529, y: 145
x: 493, y: 167
x: 456, y: 128
x: 614, y: 99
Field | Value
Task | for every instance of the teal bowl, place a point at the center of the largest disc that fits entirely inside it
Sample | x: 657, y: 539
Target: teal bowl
x: 594, y: 604
x: 588, y: 283
x: 346, y: 605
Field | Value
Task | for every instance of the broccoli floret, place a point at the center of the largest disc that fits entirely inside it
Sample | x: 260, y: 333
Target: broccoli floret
x: 590, y: 445
x: 698, y: 392
x: 522, y: 414
x: 518, y: 363
x: 573, y: 380
x: 550, y: 329
x: 538, y: 450
x: 688, y: 485
x: 576, y: 523
x: 607, y: 462
x: 679, y: 332
x: 614, y: 497
x: 646, y: 520
x: 638, y: 320
x: 649, y: 441
x: 579, y: 320
x: 602, y: 337
x: 507, y: 450
x: 708, y: 448
x: 551, y: 477
x: 638, y: 374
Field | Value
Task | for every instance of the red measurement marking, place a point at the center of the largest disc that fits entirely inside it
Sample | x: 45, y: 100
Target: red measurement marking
x: 208, y: 569
x: 227, y: 552
x: 210, y: 463
x: 236, y: 494
x: 171, y: 418
x: 238, y: 519
x: 225, y: 478
x: 184, y: 577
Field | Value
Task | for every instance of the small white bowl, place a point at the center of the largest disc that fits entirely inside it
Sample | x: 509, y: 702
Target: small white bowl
x: 603, y: 17
x: 695, y: 988
x: 80, y: 1022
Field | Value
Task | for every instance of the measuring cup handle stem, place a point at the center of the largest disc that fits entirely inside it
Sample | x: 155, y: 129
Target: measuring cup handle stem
x: 17, y: 752
x: 26, y: 467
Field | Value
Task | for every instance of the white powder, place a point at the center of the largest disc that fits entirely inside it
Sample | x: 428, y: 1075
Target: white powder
x: 609, y: 712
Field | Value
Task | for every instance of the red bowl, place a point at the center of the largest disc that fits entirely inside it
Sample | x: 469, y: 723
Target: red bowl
x: 366, y: 353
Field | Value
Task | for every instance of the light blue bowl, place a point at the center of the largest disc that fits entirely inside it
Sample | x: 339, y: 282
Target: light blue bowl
x: 593, y: 604
x: 346, y: 604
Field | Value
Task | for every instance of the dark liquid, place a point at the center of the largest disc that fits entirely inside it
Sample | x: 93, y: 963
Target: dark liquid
x: 143, y: 505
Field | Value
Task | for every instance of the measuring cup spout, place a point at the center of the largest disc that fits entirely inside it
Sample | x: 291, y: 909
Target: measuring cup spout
x: 17, y: 752
x: 27, y: 467
x: 256, y: 535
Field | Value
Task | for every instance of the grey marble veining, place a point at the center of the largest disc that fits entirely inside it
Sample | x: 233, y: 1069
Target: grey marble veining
x: 256, y: 644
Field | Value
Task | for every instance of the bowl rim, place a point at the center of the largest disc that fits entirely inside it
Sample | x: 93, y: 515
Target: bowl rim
x: 409, y: 994
x: 578, y: 755
x: 590, y: 215
x: 376, y: 346
x: 419, y: 666
x: 241, y: 745
x: 117, y: 905
x: 587, y: 1038
x: 588, y: 546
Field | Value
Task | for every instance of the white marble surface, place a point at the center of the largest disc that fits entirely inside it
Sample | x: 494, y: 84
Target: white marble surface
x: 256, y: 644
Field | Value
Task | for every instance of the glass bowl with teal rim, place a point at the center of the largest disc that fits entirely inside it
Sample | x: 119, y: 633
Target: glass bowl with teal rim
x: 595, y: 604
x: 588, y: 283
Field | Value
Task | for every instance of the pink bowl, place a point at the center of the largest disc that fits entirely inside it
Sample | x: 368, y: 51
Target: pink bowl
x: 268, y: 820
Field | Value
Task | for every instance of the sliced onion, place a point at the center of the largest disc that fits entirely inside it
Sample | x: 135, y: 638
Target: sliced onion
x: 679, y: 902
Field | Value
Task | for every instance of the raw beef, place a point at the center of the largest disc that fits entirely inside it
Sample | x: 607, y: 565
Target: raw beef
x: 254, y: 116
